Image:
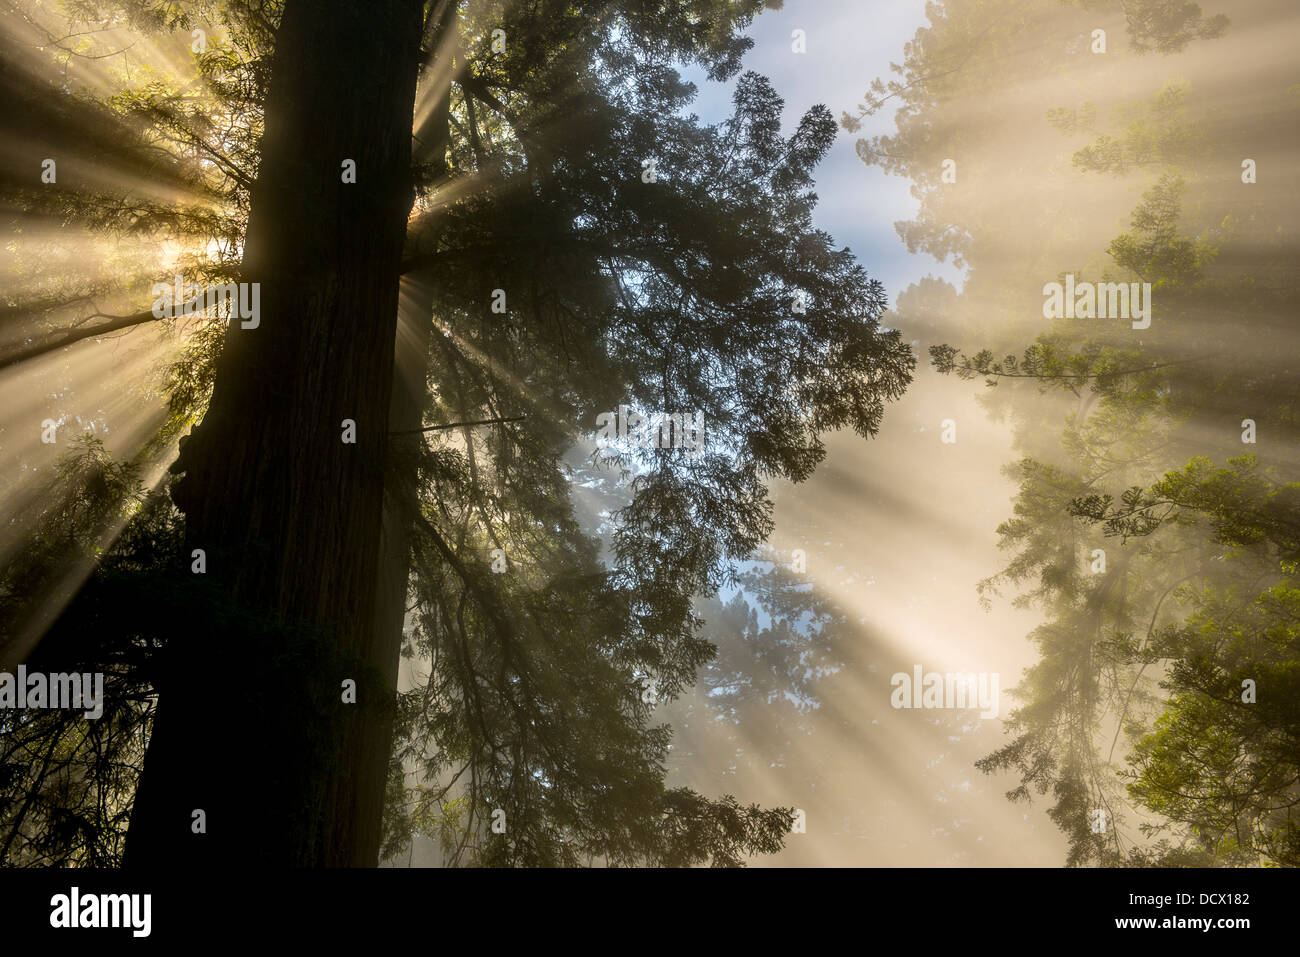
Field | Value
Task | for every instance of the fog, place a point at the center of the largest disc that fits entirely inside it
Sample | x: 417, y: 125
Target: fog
x: 1024, y: 162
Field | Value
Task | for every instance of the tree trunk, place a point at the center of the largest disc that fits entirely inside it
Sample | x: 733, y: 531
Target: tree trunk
x: 401, y: 502
x: 253, y: 727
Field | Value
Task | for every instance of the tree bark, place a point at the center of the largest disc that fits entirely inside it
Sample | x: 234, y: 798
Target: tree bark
x: 401, y: 491
x: 252, y: 727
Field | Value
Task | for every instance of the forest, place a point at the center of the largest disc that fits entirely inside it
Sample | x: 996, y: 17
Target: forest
x: 457, y: 433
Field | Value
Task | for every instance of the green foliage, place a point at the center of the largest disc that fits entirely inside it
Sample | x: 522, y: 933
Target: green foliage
x: 1154, y: 251
x: 684, y: 288
x: 675, y: 294
x: 1158, y: 133
x: 1225, y: 767
x: 1167, y: 26
x: 66, y: 784
x: 1134, y: 706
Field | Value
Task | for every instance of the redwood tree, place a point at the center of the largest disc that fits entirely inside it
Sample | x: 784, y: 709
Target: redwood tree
x: 286, y: 509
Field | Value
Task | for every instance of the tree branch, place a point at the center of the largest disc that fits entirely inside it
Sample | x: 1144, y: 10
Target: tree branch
x: 76, y: 335
x: 457, y: 425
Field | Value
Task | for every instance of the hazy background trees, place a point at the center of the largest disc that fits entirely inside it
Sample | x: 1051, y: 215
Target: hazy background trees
x: 1133, y: 442
x: 548, y: 622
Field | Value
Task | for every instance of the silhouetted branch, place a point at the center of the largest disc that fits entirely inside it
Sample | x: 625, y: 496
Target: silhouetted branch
x: 456, y: 425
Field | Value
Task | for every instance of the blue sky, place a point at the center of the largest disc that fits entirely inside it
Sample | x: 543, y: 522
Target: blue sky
x: 848, y: 45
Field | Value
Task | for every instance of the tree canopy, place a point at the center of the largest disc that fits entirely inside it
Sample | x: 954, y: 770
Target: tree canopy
x: 576, y: 243
x: 1155, y: 520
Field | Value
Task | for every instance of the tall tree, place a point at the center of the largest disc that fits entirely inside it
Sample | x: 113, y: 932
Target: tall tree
x: 1138, y: 547
x: 641, y: 259
x: 283, y: 481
